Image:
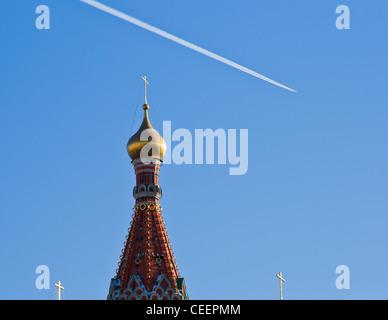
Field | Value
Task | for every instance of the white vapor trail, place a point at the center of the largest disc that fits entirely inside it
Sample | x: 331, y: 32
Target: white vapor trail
x: 185, y: 43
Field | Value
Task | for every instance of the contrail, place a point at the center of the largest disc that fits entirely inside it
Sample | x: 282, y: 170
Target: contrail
x: 185, y: 43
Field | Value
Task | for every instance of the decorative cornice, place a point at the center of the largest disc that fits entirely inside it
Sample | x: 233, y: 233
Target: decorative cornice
x: 135, y: 290
x: 149, y: 190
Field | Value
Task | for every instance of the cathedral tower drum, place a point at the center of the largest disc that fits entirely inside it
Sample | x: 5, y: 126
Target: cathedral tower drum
x: 147, y: 269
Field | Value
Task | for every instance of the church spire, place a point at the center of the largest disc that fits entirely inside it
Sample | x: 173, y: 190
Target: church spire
x: 147, y: 268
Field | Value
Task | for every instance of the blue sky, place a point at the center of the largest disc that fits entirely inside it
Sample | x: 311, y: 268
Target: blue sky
x: 314, y: 196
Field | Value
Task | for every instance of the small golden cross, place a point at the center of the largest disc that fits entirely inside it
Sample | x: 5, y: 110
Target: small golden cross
x: 145, y: 88
x: 59, y: 289
x: 281, y: 280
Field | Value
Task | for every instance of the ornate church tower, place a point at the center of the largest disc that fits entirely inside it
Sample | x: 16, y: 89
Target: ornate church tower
x: 147, y: 268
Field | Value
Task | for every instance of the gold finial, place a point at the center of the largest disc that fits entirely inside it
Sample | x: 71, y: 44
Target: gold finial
x: 59, y: 289
x: 145, y: 91
x: 281, y: 280
x: 157, y: 143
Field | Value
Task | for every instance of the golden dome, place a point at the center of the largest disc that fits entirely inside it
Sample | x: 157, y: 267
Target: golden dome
x: 155, y: 142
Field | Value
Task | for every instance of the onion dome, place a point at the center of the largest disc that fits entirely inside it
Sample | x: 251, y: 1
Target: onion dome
x: 146, y: 135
